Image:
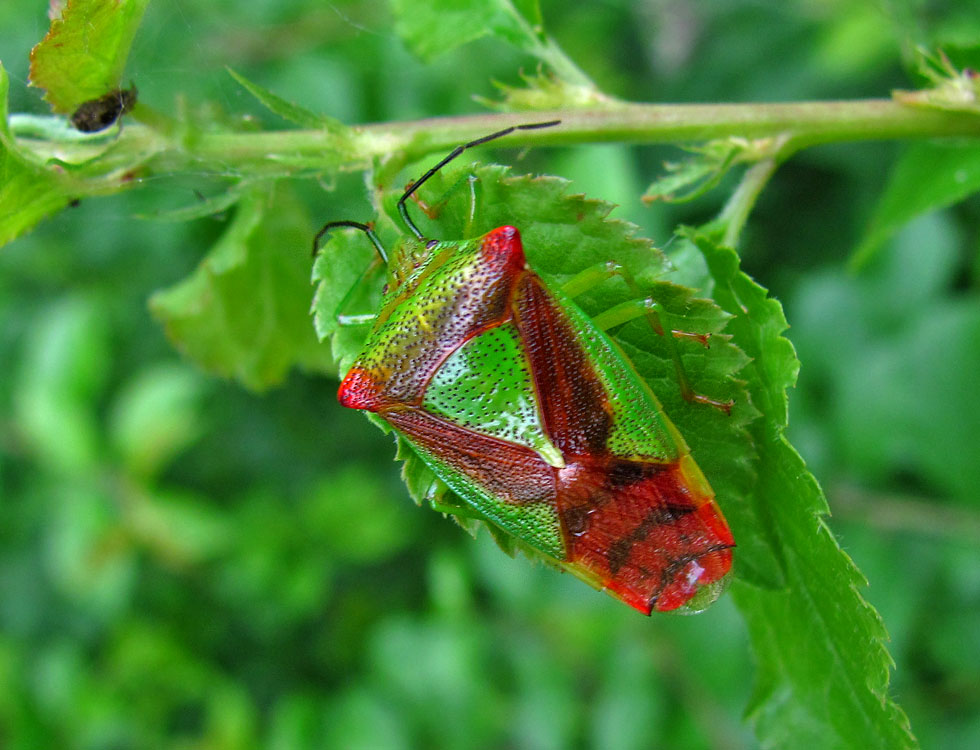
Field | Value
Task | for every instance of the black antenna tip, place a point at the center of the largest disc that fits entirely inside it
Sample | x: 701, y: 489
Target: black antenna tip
x: 536, y: 125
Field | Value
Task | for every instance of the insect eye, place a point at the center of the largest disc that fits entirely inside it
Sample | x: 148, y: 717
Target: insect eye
x: 431, y: 244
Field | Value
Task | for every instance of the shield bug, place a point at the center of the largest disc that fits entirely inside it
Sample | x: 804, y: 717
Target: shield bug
x: 523, y: 406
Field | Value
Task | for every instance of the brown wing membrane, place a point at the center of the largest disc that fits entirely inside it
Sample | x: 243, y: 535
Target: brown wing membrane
x: 642, y: 530
x: 518, y: 487
x: 513, y: 473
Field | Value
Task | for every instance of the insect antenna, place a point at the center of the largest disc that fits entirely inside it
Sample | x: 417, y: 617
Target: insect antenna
x: 403, y: 209
x: 366, y: 228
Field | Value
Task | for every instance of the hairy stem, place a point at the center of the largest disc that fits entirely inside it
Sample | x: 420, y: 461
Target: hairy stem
x: 294, y: 152
x: 809, y: 122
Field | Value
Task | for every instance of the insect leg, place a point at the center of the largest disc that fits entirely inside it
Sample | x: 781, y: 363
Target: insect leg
x: 351, y: 300
x: 368, y: 230
x: 362, y: 319
x: 358, y: 297
x: 434, y: 209
x: 643, y: 306
x: 457, y: 510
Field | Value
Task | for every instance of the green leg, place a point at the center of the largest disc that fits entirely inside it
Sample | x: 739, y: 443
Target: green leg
x: 345, y: 319
x: 434, y: 495
x: 363, y: 319
x: 650, y: 309
x: 432, y: 210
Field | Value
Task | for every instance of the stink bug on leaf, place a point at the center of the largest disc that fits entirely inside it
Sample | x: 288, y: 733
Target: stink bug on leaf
x: 526, y: 410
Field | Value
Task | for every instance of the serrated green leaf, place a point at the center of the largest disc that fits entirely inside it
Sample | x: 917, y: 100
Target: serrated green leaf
x: 695, y: 175
x: 289, y: 110
x: 432, y: 28
x: 927, y: 177
x: 730, y: 467
x: 820, y: 647
x: 797, y: 590
x: 243, y: 312
x: 707, y: 165
x: 564, y: 234
x: 84, y: 53
x: 27, y: 193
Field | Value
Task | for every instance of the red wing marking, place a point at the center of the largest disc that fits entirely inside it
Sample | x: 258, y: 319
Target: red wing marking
x: 514, y: 473
x: 360, y: 390
x: 573, y: 401
x: 503, y: 247
x: 641, y: 530
x: 645, y: 531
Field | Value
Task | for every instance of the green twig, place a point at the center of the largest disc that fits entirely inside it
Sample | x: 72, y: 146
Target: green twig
x: 298, y: 152
x: 738, y: 207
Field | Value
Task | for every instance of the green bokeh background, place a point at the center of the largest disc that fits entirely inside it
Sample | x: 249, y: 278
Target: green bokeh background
x: 184, y: 563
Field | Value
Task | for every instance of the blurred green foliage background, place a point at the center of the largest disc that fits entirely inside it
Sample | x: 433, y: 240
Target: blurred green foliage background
x: 184, y: 563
